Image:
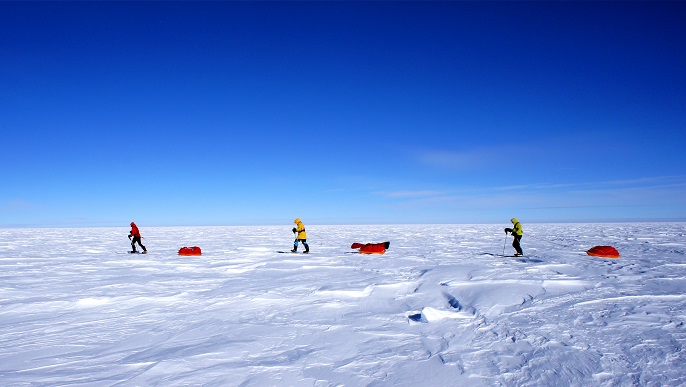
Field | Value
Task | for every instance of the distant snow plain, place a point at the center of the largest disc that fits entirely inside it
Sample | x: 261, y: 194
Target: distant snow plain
x: 440, y: 308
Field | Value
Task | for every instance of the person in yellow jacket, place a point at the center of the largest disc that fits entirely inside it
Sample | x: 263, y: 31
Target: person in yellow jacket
x: 300, y: 236
x: 517, y: 232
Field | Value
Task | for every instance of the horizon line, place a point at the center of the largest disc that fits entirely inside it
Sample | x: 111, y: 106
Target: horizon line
x: 126, y: 225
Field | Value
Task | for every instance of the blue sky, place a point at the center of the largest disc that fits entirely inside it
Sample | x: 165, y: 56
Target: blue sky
x: 222, y: 113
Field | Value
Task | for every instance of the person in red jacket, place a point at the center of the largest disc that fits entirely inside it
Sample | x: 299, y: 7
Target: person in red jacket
x: 136, y: 238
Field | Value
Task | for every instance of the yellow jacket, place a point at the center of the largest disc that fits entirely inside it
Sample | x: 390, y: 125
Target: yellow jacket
x: 517, y: 229
x: 300, y: 229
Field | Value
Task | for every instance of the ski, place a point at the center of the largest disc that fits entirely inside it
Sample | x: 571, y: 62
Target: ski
x: 505, y: 255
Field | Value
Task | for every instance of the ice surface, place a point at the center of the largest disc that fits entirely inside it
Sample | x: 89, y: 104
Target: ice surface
x: 439, y: 308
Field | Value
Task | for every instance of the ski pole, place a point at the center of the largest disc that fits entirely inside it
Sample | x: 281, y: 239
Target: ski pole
x: 504, y: 243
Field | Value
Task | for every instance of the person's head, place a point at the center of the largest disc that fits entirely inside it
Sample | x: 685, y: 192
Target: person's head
x: 133, y: 224
x: 514, y: 220
x: 296, y: 221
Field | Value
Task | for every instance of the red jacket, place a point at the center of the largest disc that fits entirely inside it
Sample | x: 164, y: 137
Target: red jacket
x: 134, y: 230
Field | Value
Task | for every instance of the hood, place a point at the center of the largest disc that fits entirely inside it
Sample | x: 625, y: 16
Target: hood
x: 514, y: 221
x: 133, y: 224
x: 296, y: 221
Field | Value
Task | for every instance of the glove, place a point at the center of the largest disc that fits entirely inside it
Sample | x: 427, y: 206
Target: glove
x: 508, y: 230
x: 294, y: 230
x: 129, y: 237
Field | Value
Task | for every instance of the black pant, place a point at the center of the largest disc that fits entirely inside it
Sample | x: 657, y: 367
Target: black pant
x: 304, y: 241
x: 135, y: 239
x: 516, y: 245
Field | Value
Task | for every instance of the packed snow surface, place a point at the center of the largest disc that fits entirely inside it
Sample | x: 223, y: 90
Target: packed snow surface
x: 441, y: 307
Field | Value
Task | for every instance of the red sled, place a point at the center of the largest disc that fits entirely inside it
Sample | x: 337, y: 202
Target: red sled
x: 195, y: 250
x: 603, y: 252
x: 371, y: 248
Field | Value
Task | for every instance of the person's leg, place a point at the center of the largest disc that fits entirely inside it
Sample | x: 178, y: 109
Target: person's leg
x: 133, y: 244
x: 141, y: 245
x: 295, y: 246
x: 307, y: 247
x: 516, y: 244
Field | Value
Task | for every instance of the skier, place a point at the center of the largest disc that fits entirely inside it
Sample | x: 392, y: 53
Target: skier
x: 517, y: 232
x: 299, y: 230
x: 136, y: 238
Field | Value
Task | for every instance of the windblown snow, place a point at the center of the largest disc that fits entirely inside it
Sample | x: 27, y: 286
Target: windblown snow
x: 441, y: 307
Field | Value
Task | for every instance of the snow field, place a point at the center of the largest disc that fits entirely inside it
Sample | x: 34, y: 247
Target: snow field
x: 440, y: 307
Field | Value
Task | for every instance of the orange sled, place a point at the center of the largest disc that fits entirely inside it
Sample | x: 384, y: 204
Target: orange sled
x: 195, y: 250
x: 371, y: 248
x: 603, y: 251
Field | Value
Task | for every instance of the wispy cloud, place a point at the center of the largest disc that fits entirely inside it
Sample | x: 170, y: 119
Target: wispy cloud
x: 676, y: 180
x: 460, y: 159
x: 646, y: 182
x: 539, y: 186
x: 411, y: 194
x: 650, y: 197
x: 18, y: 206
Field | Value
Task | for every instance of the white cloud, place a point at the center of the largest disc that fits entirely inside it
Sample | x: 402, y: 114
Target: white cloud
x: 460, y: 160
x: 411, y: 194
x: 649, y: 197
x: 18, y: 206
